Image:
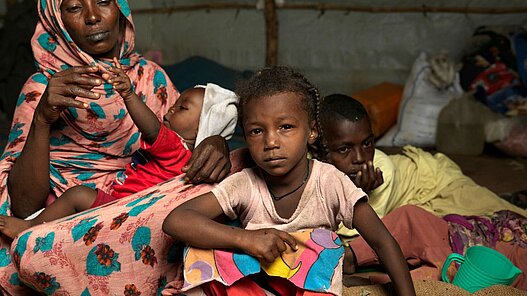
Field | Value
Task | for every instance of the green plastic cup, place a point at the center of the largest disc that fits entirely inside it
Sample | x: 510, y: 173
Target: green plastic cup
x: 481, y: 267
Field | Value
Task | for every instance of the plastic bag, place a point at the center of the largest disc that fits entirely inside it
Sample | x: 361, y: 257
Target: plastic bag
x: 515, y: 142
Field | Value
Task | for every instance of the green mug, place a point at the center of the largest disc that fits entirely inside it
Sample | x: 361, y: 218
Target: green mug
x: 481, y: 267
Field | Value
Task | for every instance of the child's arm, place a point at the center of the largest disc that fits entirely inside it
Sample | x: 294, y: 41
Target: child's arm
x: 379, y: 238
x: 143, y: 117
x: 192, y: 222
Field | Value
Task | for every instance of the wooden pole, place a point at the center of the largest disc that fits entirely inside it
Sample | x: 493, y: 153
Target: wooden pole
x: 340, y: 7
x: 271, y: 33
x: 337, y: 7
x: 180, y: 8
x: 406, y: 9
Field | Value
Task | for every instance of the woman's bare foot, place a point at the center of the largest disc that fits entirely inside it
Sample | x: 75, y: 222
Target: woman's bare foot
x: 12, y: 226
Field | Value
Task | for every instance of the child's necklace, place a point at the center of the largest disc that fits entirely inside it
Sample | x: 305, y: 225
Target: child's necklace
x: 277, y: 198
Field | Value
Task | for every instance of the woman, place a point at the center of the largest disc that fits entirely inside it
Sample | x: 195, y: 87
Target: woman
x: 70, y: 127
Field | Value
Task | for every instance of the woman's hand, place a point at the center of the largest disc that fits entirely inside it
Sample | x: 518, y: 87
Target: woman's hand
x: 63, y: 88
x: 209, y: 162
x: 267, y: 244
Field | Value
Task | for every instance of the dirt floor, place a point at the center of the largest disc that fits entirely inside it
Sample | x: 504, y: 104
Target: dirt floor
x: 499, y: 174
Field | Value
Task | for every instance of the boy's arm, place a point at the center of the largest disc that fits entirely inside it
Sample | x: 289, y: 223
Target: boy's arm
x: 379, y: 238
x: 192, y: 222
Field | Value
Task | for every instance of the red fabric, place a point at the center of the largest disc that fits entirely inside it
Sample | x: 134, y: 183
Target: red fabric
x: 165, y: 158
x: 422, y: 236
x: 247, y: 287
x: 518, y: 256
x: 102, y: 199
x: 424, y: 241
x: 51, y: 198
x: 243, y: 287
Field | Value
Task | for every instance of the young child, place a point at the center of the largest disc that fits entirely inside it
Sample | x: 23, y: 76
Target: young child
x: 347, y: 140
x: 410, y: 191
x: 416, y: 177
x: 285, y: 192
x: 166, y: 146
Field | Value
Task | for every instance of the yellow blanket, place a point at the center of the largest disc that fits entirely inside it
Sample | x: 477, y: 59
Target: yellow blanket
x: 432, y: 182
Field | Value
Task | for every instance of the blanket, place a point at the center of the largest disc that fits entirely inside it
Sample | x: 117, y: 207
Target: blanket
x: 433, y: 182
x: 437, y: 184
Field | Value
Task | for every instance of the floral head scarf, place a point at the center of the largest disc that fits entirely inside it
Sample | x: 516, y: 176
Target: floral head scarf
x: 87, y: 146
x: 55, y: 50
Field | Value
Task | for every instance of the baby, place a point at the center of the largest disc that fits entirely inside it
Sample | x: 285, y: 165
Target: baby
x: 166, y: 146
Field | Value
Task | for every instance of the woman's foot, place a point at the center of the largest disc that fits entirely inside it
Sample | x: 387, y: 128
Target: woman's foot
x: 12, y: 226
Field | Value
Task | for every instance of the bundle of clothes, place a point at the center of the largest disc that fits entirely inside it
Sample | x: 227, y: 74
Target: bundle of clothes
x: 495, y: 69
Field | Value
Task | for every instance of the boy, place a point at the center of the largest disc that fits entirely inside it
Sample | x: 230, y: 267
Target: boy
x: 432, y: 182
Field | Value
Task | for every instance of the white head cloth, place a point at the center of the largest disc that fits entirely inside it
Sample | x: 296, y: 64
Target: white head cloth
x: 218, y: 114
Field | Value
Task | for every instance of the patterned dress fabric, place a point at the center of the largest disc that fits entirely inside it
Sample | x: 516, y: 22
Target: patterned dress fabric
x: 89, y: 147
x: 316, y: 265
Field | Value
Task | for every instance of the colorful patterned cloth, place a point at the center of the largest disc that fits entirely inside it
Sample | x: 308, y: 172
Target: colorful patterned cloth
x: 88, y: 147
x: 314, y: 266
x: 468, y: 231
x: 512, y: 227
x: 117, y: 249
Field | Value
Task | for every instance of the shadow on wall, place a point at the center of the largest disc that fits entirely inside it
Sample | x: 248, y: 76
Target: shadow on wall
x: 16, y: 56
x: 199, y: 70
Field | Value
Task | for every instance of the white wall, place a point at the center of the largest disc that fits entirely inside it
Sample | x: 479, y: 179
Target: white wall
x: 341, y: 52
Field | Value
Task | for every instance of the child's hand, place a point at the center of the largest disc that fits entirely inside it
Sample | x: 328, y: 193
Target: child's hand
x: 120, y: 81
x: 368, y: 178
x: 267, y: 244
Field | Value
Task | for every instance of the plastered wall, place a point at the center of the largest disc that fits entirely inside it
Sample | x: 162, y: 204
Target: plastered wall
x: 339, y: 51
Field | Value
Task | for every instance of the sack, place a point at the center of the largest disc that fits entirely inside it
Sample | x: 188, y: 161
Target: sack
x: 421, y: 103
x: 461, y: 126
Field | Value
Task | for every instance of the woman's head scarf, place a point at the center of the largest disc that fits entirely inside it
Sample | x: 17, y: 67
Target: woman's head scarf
x: 87, y: 146
x: 55, y: 50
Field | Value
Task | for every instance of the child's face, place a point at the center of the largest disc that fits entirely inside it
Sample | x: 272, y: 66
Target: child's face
x: 277, y: 131
x: 183, y: 116
x: 350, y: 144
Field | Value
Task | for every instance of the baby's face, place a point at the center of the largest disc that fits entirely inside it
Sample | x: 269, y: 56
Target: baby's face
x: 183, y: 116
